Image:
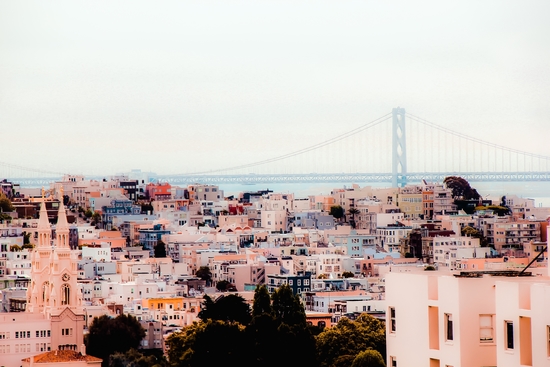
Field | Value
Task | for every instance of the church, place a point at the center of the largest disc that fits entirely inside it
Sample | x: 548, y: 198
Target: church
x: 54, y: 317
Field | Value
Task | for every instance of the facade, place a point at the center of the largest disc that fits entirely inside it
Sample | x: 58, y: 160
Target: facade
x: 472, y: 319
x: 54, y: 317
x: 299, y: 283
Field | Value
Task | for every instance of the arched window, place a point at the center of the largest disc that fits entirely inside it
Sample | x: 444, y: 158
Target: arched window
x: 45, y: 292
x: 65, y: 294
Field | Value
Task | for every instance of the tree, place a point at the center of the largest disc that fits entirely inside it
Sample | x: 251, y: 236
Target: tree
x: 226, y: 308
x: 26, y: 238
x: 369, y: 358
x: 5, y: 203
x: 107, y: 336
x: 500, y: 210
x: 262, y: 301
x: 224, y: 285
x: 461, y: 189
x: 353, y: 212
x: 88, y: 213
x: 204, y: 273
x: 347, y: 274
x: 366, y: 332
x: 160, y: 249
x: 337, y: 212
x: 146, y: 208
x: 15, y: 248
x: 133, y: 358
x: 287, y: 307
x: 96, y: 217
x: 474, y: 233
x: 210, y: 343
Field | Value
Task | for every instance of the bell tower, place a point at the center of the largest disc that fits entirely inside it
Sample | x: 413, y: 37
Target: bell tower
x: 39, y: 290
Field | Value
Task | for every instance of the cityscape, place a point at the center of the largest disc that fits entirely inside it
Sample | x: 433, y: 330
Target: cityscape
x: 469, y: 271
x: 266, y: 184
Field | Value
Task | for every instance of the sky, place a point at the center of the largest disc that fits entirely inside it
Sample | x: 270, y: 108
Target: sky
x: 183, y: 86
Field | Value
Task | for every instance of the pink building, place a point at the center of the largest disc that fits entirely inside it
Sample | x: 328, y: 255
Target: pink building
x: 473, y: 319
x: 54, y: 317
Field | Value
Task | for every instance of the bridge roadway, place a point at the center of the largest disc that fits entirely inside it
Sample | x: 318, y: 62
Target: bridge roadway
x: 317, y: 178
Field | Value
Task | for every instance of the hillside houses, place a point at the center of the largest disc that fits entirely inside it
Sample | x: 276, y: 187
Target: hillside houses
x: 337, y: 266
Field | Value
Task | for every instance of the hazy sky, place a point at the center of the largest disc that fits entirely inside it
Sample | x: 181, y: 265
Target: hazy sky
x: 176, y: 86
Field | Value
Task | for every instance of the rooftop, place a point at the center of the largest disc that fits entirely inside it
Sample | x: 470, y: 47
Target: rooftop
x: 62, y: 356
x: 499, y: 273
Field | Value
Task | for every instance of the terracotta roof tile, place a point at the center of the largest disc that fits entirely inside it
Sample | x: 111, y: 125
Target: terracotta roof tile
x: 62, y: 356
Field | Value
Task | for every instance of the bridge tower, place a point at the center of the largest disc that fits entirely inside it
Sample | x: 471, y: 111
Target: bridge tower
x: 399, y: 148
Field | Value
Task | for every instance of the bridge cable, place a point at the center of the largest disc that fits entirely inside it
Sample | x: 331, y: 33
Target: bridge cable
x: 297, y: 152
x: 476, y: 140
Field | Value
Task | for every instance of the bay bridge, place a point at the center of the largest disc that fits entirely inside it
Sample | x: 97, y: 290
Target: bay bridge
x: 397, y: 148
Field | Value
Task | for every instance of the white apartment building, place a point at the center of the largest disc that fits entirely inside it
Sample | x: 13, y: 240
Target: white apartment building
x: 389, y: 237
x: 445, y: 249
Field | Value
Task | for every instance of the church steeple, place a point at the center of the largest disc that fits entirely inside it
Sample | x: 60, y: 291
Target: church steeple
x: 44, y: 228
x: 62, y: 226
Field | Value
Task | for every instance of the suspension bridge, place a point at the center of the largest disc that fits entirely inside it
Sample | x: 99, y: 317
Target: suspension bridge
x: 397, y: 148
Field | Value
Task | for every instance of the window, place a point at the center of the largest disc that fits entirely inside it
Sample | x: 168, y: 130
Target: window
x: 393, y: 362
x: 509, y: 334
x: 486, y: 329
x: 392, y: 319
x: 548, y: 340
x: 65, y: 294
x: 448, y: 326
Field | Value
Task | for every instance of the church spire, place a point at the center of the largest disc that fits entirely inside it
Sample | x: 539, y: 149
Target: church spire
x: 44, y: 228
x: 62, y: 226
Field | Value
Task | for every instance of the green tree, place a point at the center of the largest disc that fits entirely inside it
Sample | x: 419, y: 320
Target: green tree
x: 107, y: 336
x: 223, y: 286
x: 210, y: 343
x: 287, y: 307
x: 146, y: 208
x: 474, y: 233
x: 5, y: 203
x: 96, y: 217
x: 15, y: 248
x: 204, y: 273
x: 230, y: 307
x: 337, y: 212
x: 88, y: 213
x: 353, y: 212
x: 369, y: 358
x: 160, y: 249
x: 343, y: 361
x: 347, y: 274
x: 133, y: 358
x: 350, y: 338
x: 500, y: 210
x: 461, y: 188
x: 26, y: 238
x: 280, y: 326
x: 262, y: 301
